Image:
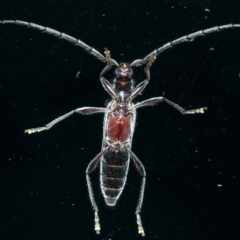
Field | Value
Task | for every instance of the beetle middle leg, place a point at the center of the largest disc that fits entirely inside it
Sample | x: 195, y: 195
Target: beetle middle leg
x: 83, y: 110
x: 156, y: 100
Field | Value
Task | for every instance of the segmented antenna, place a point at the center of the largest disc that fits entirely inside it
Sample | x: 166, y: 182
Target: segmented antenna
x: 186, y: 38
x: 61, y: 35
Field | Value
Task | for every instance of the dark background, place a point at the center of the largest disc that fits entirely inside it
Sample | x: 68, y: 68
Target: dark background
x: 192, y: 162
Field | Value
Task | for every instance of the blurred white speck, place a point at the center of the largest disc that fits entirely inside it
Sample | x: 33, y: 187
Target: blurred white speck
x: 206, y: 10
x: 219, y: 185
x: 103, y: 15
x: 211, y: 49
x: 78, y: 73
x: 73, y: 204
x: 239, y: 75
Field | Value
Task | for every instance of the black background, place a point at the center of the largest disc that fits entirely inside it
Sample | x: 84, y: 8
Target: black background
x: 192, y: 162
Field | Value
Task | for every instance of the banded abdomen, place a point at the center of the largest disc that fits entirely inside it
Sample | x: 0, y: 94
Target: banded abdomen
x: 113, y: 170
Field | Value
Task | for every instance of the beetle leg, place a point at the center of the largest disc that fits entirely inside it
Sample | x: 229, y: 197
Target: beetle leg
x: 156, y: 100
x: 109, y: 61
x: 83, y: 110
x: 139, y: 88
x: 91, y: 166
x: 108, y: 87
x: 140, y: 168
x: 149, y: 64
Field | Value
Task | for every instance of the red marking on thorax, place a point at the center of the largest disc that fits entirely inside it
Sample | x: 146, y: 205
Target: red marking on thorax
x: 119, y: 127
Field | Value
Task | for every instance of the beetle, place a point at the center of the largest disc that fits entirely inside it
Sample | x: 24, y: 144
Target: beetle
x: 119, y: 117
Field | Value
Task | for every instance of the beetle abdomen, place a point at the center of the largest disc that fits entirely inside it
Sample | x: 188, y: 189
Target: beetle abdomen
x: 113, y: 170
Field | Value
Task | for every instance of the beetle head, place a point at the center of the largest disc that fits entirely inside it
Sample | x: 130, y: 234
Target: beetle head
x: 124, y: 71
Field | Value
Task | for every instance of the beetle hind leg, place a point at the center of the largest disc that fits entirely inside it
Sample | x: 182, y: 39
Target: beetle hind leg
x: 140, y: 168
x: 91, y: 166
x: 139, y: 206
x: 97, y: 226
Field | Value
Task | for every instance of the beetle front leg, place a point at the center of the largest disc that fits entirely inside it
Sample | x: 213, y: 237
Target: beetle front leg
x: 140, y: 87
x: 109, y: 61
x: 108, y: 87
x: 149, y: 64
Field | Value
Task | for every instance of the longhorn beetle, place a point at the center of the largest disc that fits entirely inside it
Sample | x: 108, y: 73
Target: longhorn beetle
x: 119, y: 117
